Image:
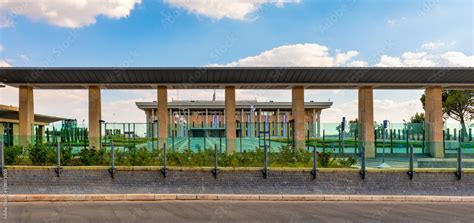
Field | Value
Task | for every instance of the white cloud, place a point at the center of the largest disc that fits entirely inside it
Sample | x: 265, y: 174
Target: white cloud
x: 308, y: 54
x: 388, y: 61
x: 423, y: 59
x: 436, y: 45
x: 456, y: 59
x: 65, y: 13
x: 1, y: 48
x: 408, y: 59
x: 358, y: 63
x: 231, y: 9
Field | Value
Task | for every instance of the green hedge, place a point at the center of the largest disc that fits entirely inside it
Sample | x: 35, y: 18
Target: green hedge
x: 286, y: 157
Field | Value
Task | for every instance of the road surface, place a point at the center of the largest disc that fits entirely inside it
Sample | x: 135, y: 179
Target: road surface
x: 229, y: 211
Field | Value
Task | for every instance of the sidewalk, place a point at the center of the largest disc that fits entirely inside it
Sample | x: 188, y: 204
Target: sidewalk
x: 228, y: 197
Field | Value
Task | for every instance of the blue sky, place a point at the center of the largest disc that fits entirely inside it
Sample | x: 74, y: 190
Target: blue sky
x: 132, y: 33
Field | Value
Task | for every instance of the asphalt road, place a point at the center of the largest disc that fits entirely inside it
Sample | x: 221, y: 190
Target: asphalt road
x: 225, y: 211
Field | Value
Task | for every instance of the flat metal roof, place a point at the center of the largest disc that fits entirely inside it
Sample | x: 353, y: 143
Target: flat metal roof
x: 219, y: 105
x: 240, y: 77
x: 10, y: 114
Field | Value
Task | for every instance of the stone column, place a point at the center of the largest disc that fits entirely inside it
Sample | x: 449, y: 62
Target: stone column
x: 41, y: 132
x: 206, y: 125
x: 189, y: 122
x: 149, y: 123
x: 318, y: 133
x: 2, y: 133
x: 434, y: 121
x: 95, y: 115
x: 230, y: 118
x: 16, y: 134
x: 253, y: 125
x: 242, y: 121
x: 278, y: 122
x: 26, y: 115
x: 315, y: 123
x: 170, y: 123
x: 297, y: 100
x: 259, y: 127
x: 162, y: 114
x: 366, y: 120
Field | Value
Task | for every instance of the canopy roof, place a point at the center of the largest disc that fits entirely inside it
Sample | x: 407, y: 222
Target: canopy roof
x: 240, y: 77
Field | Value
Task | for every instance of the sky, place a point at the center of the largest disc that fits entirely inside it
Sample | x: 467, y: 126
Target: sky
x: 189, y: 33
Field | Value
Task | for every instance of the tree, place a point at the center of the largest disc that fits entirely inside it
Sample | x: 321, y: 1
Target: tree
x: 416, y: 123
x: 418, y: 118
x: 458, y: 105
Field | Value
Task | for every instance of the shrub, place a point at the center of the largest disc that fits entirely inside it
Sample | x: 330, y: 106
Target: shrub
x: 93, y: 157
x: 11, y: 155
x: 42, y: 154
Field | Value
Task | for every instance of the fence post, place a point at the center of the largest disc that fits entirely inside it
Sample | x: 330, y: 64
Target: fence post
x: 411, y: 172
x: 58, y: 168
x: 363, y: 170
x: 314, y: 172
x: 215, y: 171
x: 391, y: 141
x: 112, y: 168
x: 265, y: 161
x: 355, y: 143
x: 164, y: 170
x: 375, y: 141
x: 2, y: 156
x: 324, y: 140
x: 444, y: 141
x: 407, y: 139
x: 459, y: 169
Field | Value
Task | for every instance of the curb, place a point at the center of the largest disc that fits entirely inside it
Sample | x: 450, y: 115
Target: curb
x: 229, y: 197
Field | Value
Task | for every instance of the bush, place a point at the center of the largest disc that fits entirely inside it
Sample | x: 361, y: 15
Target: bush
x: 42, y: 154
x: 12, y: 154
x: 90, y: 157
x: 284, y: 157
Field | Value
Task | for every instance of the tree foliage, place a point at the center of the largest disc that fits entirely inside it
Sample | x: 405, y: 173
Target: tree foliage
x: 457, y: 104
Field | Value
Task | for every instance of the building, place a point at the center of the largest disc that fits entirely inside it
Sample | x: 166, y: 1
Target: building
x: 10, y: 128
x: 206, y: 118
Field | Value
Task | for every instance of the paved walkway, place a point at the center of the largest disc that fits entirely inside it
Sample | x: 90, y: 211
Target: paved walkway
x: 234, y: 211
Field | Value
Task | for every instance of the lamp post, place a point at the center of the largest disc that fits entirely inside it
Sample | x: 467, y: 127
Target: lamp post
x: 384, y: 127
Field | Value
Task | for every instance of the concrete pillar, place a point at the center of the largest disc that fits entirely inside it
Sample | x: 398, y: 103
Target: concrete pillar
x: 162, y: 114
x: 42, y: 133
x: 170, y: 123
x: 242, y: 121
x: 95, y: 115
x: 189, y: 122
x: 16, y: 134
x: 318, y: 133
x: 149, y: 123
x: 26, y: 115
x: 2, y: 133
x: 366, y: 120
x: 230, y: 118
x: 297, y: 100
x: 434, y: 121
x: 206, y: 121
x: 278, y: 124
x: 253, y: 125
x: 314, y: 119
x: 259, y: 127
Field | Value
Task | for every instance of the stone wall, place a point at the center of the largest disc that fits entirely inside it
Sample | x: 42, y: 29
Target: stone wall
x: 79, y: 181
